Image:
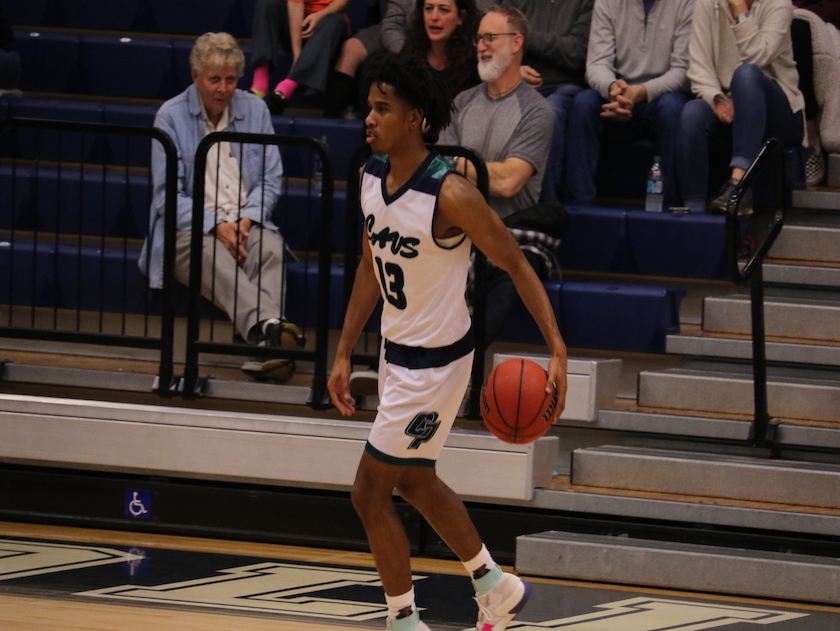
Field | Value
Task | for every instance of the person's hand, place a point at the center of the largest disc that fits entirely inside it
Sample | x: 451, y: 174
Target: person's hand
x: 620, y: 110
x: 309, y: 23
x: 531, y: 76
x: 620, y: 106
x: 339, y: 387
x: 557, y: 381
x: 737, y: 7
x: 725, y: 111
x: 234, y: 236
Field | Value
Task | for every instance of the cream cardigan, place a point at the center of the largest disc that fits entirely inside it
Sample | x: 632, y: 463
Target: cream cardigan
x: 718, y: 46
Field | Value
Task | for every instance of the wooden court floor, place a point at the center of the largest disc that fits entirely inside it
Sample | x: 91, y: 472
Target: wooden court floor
x: 59, y: 578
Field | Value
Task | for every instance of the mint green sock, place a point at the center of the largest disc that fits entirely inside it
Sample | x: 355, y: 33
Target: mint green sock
x: 488, y: 581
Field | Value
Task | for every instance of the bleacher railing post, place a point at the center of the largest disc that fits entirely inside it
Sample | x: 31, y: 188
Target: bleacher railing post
x: 767, y: 228
x: 194, y: 346
x: 165, y: 382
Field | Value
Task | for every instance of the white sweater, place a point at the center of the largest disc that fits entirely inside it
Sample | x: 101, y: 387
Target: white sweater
x: 718, y: 46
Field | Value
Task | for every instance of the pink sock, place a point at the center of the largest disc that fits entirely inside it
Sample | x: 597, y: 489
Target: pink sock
x: 260, y: 82
x: 287, y: 87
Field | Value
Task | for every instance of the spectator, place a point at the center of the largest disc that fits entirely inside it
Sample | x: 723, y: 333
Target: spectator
x: 442, y: 33
x: 242, y: 271
x: 312, y: 30
x: 636, y: 64
x: 803, y: 55
x: 742, y: 69
x: 9, y: 58
x: 389, y: 34
x: 508, y: 124
x: 555, y: 65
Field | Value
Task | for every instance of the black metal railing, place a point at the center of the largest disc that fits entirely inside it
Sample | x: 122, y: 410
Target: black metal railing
x: 71, y: 235
x: 315, y: 153
x: 369, y: 353
x: 755, y: 216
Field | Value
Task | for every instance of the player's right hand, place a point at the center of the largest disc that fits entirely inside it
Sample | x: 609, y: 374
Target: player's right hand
x: 339, y: 387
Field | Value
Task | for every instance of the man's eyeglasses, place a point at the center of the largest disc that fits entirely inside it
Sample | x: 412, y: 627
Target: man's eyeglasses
x: 488, y: 38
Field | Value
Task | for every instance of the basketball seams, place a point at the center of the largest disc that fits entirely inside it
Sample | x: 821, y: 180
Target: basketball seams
x: 516, y: 385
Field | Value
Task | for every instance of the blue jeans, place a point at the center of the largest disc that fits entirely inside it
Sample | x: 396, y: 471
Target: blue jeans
x: 560, y: 96
x: 656, y: 120
x: 761, y: 111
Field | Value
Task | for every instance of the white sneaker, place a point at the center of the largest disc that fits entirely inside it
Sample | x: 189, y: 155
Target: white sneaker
x: 500, y: 605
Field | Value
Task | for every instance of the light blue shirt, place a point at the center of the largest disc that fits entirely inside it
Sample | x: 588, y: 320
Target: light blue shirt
x: 182, y: 118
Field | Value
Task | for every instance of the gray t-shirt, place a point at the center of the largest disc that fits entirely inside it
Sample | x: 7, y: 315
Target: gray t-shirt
x: 518, y: 125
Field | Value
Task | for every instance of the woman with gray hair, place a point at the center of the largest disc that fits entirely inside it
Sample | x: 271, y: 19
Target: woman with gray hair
x: 242, y: 254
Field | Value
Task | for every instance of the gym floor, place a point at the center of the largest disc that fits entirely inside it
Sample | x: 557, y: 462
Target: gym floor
x: 59, y: 578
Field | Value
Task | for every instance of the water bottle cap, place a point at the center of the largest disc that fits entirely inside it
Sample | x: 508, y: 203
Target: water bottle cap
x: 657, y: 158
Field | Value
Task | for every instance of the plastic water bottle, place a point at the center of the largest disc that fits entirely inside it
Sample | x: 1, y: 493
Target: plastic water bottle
x: 653, y: 198
x: 318, y: 171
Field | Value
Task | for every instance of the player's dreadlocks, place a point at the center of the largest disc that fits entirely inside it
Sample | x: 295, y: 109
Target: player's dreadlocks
x: 415, y: 82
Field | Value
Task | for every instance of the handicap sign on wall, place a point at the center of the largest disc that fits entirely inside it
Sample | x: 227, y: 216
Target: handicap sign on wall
x: 138, y: 504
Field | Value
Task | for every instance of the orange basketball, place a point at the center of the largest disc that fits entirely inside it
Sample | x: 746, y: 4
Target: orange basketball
x: 514, y: 403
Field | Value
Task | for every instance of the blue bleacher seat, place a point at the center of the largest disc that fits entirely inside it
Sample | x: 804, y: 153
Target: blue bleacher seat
x: 108, y: 15
x: 27, y: 278
x: 134, y: 151
x: 16, y: 191
x: 302, y: 292
x: 604, y: 316
x: 50, y: 62
x: 34, y: 13
x: 674, y: 244
x: 195, y: 17
x: 596, y: 240
x: 71, y: 147
x: 128, y: 66
x: 344, y: 137
x: 93, y: 279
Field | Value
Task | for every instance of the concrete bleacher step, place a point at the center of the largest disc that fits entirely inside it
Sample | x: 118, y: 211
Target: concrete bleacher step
x: 821, y: 199
x: 248, y: 448
x: 809, y: 237
x: 788, y: 272
x: 718, y: 427
x: 692, y: 341
x: 708, y: 475
x: 792, y: 393
x: 790, y: 314
x: 718, y: 569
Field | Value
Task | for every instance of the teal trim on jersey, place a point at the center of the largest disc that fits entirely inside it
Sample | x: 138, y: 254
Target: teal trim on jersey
x: 402, y: 462
x: 438, y: 168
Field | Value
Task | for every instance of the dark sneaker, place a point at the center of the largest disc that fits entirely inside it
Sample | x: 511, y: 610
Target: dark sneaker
x: 282, y: 334
x: 720, y: 203
x: 276, y: 102
x: 276, y: 370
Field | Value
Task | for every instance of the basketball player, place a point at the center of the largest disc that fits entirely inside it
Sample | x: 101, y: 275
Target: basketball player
x: 420, y: 218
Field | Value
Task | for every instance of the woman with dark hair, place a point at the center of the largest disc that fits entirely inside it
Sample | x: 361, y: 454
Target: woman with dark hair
x: 442, y: 33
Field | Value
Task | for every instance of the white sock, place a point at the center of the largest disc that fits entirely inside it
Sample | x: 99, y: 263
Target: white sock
x: 396, y: 604
x: 481, y: 560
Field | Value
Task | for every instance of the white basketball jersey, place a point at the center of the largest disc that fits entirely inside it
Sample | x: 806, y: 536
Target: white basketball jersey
x: 422, y: 280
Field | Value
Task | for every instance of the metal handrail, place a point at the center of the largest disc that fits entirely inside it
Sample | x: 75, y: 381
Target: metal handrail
x: 762, y: 432
x: 166, y: 381
x: 194, y: 346
x: 352, y: 253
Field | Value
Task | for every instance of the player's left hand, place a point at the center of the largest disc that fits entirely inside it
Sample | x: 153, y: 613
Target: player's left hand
x: 557, y: 381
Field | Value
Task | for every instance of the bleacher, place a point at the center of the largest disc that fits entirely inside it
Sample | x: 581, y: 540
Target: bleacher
x: 626, y: 277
